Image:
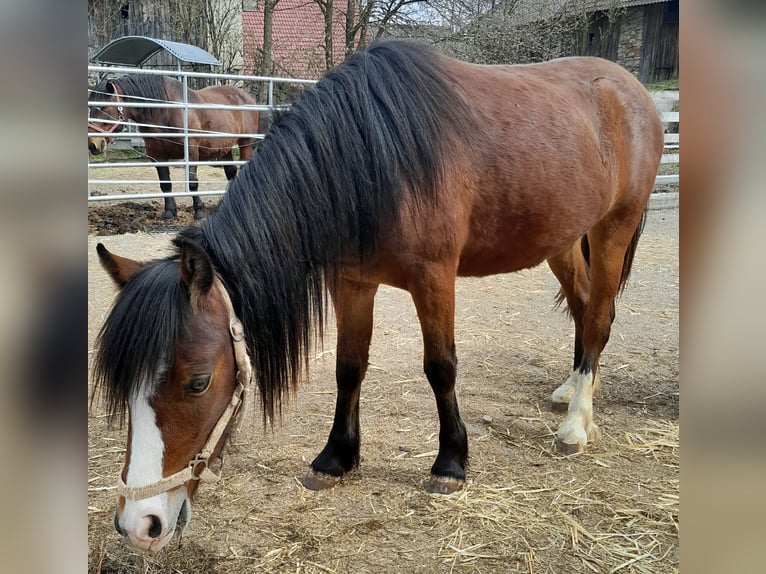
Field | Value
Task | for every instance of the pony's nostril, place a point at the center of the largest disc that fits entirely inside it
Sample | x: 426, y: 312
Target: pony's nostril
x: 117, y: 527
x: 155, y: 526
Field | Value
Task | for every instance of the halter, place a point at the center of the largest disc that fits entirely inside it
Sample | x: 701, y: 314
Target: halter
x: 198, y: 468
x: 120, y: 118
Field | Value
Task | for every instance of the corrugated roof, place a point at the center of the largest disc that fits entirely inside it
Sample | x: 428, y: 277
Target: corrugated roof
x: 642, y: 2
x: 526, y: 11
x: 297, y: 38
x: 136, y: 50
x: 606, y: 4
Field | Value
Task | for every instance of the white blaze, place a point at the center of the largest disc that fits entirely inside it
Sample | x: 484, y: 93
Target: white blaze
x: 146, y: 446
x: 145, y: 467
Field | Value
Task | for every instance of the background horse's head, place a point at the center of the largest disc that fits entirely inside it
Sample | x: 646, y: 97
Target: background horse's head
x: 107, y: 118
x: 168, y: 355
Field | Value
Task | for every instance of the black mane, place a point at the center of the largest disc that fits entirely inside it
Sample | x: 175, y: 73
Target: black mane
x: 137, y: 88
x: 329, y: 175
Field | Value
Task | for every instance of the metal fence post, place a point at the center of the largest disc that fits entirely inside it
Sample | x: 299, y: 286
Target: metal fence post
x: 186, y: 132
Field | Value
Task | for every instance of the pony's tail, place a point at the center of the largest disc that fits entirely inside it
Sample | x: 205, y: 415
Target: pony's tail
x: 627, y: 262
x: 585, y: 248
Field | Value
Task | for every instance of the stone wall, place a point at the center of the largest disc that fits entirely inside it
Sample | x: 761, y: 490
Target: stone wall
x: 631, y: 38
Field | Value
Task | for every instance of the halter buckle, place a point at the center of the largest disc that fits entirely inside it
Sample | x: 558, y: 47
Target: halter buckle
x: 236, y: 329
x: 197, y: 465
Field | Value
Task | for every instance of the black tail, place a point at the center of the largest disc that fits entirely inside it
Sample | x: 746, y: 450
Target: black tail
x: 585, y: 247
x: 627, y: 262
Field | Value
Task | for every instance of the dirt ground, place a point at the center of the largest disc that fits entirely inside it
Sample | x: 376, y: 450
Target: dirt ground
x: 525, y: 508
x: 110, y: 217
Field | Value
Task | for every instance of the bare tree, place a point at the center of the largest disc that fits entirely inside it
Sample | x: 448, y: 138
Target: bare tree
x: 368, y: 19
x: 358, y: 13
x: 327, y: 7
x: 213, y: 25
x: 222, y: 26
x: 515, y: 31
x: 267, y: 51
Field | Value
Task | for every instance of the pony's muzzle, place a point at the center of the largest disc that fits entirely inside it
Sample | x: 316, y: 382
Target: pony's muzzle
x: 148, y: 532
x: 148, y: 527
x: 96, y: 149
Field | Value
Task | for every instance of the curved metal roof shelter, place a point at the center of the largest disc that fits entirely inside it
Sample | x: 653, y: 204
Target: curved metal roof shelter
x: 136, y: 50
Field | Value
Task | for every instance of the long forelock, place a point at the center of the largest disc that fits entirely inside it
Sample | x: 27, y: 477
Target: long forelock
x: 137, y: 339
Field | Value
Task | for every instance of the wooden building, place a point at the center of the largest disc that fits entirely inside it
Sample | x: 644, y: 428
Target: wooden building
x: 641, y: 35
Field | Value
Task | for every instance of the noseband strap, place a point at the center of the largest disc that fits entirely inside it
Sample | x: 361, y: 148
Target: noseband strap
x: 198, y: 468
x: 95, y: 128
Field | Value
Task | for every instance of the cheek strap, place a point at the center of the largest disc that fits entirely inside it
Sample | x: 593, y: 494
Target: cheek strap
x: 198, y: 468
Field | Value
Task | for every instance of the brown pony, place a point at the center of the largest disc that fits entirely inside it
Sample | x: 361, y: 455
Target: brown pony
x: 202, y: 123
x: 401, y: 167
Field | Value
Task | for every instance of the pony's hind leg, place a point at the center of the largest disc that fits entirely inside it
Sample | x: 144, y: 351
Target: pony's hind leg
x: 163, y: 173
x: 571, y: 269
x: 610, y: 241
x: 353, y: 303
x: 434, y: 295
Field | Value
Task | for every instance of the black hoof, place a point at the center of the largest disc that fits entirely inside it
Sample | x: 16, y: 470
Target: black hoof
x: 200, y: 214
x: 569, y: 449
x: 559, y: 407
x: 443, y: 484
x: 314, y: 480
x: 168, y: 215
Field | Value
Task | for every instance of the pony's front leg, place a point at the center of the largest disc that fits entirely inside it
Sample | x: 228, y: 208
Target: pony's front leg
x: 163, y: 173
x: 229, y: 170
x: 434, y: 295
x: 200, y: 212
x: 354, y: 316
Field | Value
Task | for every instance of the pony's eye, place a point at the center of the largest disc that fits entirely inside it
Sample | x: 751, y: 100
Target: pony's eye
x: 198, y: 385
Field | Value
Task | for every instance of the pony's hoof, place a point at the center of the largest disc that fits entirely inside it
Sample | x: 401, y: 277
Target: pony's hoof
x: 168, y: 215
x: 200, y: 214
x: 557, y: 407
x: 569, y: 449
x: 314, y: 480
x: 443, y: 484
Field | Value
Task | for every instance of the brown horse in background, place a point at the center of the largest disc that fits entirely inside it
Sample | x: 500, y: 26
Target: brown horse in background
x: 401, y: 167
x: 202, y: 123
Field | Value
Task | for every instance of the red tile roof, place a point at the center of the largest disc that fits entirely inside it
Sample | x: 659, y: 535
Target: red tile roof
x: 297, y: 37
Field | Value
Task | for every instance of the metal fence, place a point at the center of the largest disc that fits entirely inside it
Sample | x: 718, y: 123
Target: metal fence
x: 215, y: 186
x: 218, y: 186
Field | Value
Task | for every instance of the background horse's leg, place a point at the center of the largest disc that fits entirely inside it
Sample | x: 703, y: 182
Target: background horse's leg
x: 353, y: 303
x: 609, y: 241
x: 229, y: 170
x: 246, y: 146
x: 571, y: 269
x: 163, y: 173
x: 434, y: 295
x: 199, y: 207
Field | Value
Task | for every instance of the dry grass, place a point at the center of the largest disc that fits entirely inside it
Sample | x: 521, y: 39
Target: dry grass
x: 591, y: 512
x: 525, y: 508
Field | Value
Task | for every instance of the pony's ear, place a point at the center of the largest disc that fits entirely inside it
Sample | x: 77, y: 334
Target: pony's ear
x: 110, y: 88
x: 196, y: 269
x: 119, y: 268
